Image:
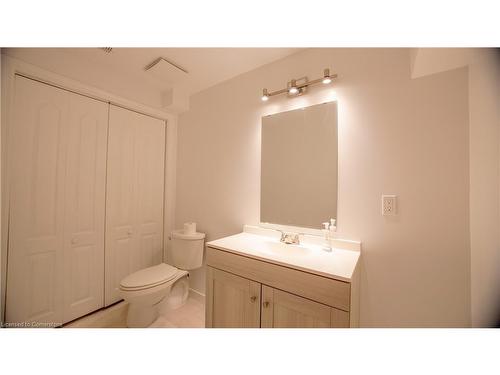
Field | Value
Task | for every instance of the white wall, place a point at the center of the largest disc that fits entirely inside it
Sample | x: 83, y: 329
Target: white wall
x: 484, y: 103
x: 484, y: 158
x: 396, y: 136
x: 425, y: 61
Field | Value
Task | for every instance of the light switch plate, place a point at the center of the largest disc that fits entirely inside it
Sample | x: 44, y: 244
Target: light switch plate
x: 389, y: 205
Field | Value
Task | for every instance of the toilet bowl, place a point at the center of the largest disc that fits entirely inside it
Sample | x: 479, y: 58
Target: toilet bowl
x: 144, y: 290
x: 156, y: 289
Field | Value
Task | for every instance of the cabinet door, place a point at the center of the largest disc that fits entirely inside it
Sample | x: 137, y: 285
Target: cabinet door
x: 232, y: 301
x: 134, y: 198
x: 37, y: 156
x: 84, y: 207
x: 284, y: 310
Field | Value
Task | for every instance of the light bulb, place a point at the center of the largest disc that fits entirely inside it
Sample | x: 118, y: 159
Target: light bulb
x: 265, y: 95
x: 293, y: 88
x: 326, y: 75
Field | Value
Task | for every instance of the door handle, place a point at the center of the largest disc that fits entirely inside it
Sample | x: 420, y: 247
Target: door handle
x: 253, y: 298
x: 266, y: 304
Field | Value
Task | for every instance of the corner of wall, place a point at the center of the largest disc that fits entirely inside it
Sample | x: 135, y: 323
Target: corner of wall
x: 427, y: 61
x: 413, y: 59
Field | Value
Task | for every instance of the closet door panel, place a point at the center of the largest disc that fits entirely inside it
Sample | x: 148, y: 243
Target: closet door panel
x: 120, y: 202
x: 150, y: 190
x: 85, y: 207
x: 37, y: 164
x: 134, y: 200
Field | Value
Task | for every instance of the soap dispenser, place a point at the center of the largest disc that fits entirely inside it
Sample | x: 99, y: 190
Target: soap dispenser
x: 329, y: 229
x: 326, y: 229
x: 332, y: 228
x: 326, y: 234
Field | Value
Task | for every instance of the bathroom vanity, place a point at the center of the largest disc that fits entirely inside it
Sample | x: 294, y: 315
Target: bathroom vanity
x: 254, y: 280
x: 264, y: 278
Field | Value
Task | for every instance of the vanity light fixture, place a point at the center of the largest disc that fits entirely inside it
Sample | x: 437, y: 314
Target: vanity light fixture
x: 295, y: 88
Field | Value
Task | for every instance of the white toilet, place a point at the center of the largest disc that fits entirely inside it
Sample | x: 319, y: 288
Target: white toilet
x: 164, y: 284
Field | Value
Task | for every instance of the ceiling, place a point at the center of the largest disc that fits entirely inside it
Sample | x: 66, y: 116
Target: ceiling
x: 123, y: 69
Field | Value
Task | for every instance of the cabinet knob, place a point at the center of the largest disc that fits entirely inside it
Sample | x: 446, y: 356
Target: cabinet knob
x: 74, y: 241
x: 266, y: 304
x: 253, y: 298
x: 129, y: 232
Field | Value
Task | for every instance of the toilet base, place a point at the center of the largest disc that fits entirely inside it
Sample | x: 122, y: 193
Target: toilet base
x: 145, y: 306
x: 141, y: 316
x: 177, y: 297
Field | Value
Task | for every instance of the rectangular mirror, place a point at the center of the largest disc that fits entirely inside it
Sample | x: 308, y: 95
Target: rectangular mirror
x: 299, y: 166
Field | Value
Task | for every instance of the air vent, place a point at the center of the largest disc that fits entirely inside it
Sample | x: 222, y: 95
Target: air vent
x: 107, y: 49
x: 166, y: 71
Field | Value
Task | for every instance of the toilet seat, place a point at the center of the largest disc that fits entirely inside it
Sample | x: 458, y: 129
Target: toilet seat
x: 149, y: 277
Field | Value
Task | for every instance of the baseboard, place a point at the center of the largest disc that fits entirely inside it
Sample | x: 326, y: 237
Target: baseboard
x: 197, y: 296
x: 114, y: 316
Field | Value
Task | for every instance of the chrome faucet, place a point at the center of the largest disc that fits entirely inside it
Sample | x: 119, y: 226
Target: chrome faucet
x: 289, y: 238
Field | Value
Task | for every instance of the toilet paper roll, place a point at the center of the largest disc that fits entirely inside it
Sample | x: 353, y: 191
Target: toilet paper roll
x: 189, y: 228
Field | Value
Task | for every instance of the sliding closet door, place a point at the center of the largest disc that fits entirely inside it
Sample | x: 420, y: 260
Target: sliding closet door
x: 85, y: 207
x: 36, y: 225
x: 56, y: 240
x: 134, y: 198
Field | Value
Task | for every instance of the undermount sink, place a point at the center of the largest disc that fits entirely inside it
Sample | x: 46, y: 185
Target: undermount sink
x: 271, y: 247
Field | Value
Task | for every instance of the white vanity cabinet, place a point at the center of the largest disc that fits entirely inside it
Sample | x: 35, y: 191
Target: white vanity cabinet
x: 246, y: 291
x: 234, y: 301
x: 286, y: 310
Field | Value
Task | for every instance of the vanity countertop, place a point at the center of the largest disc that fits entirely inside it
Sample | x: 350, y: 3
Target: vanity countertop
x: 336, y: 264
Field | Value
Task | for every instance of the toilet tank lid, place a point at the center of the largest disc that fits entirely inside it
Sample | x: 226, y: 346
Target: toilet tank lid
x: 179, y: 234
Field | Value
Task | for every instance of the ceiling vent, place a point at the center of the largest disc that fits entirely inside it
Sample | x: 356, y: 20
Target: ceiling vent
x: 166, y: 71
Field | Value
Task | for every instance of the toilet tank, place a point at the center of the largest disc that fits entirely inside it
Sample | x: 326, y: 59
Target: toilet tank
x: 187, y: 249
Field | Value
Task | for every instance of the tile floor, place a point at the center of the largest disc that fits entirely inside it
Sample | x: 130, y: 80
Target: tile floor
x: 191, y: 315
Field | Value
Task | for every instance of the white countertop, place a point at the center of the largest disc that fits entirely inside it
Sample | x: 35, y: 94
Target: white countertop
x: 336, y: 264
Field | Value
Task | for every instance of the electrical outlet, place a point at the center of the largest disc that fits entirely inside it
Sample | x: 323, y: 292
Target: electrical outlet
x: 389, y: 205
